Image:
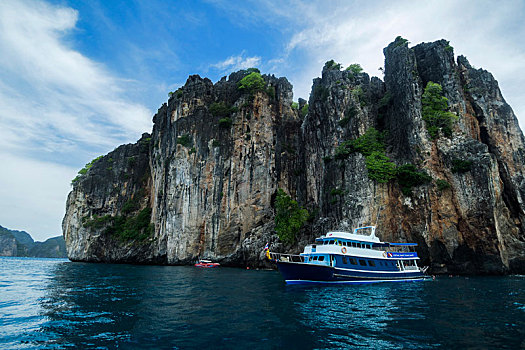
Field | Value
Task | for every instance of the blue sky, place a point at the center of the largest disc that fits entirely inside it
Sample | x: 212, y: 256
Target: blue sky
x: 79, y: 78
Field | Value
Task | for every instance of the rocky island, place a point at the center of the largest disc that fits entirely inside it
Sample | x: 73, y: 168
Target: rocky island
x: 430, y: 154
x: 20, y: 243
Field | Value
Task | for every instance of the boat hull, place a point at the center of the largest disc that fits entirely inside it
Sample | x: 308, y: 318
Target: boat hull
x: 207, y: 265
x: 303, y: 273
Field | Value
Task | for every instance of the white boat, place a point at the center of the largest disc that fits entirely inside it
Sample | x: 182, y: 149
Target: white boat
x: 357, y: 257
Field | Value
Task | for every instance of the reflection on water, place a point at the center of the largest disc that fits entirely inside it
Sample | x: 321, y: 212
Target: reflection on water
x: 48, y: 303
x: 366, y: 315
x: 165, y: 307
x: 22, y: 284
x: 88, y: 305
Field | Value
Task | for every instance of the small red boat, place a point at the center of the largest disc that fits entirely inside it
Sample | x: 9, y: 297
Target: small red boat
x: 206, y: 263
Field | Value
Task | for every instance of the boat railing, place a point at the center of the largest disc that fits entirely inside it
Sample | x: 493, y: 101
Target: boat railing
x: 411, y: 268
x: 365, y: 231
x: 286, y: 257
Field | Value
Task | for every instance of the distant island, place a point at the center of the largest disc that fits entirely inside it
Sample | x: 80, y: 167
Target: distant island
x: 20, y: 243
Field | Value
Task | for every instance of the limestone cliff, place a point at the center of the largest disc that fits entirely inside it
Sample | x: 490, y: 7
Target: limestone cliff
x: 208, y: 172
x: 203, y: 184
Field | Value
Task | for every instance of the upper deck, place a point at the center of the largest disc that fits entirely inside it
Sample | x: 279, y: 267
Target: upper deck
x: 361, y: 242
x: 361, y: 234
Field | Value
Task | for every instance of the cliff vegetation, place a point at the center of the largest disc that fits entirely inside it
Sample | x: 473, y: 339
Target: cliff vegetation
x: 431, y: 154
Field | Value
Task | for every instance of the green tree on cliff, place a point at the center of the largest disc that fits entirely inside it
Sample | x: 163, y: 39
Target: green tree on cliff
x: 435, y: 111
x: 289, y: 217
x: 252, y: 83
x: 84, y: 170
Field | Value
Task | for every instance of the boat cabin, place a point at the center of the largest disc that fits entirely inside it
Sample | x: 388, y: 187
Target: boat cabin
x: 353, y: 257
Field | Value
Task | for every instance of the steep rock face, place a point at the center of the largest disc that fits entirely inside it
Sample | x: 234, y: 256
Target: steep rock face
x: 8, y: 245
x: 116, y: 188
x: 14, y: 242
x: 215, y: 170
x: 476, y: 225
x: 218, y: 154
x: 342, y: 106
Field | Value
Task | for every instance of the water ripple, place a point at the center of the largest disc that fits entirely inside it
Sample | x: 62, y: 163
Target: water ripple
x: 56, y: 304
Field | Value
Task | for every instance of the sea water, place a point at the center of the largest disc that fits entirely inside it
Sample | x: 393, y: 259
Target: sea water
x: 57, y: 304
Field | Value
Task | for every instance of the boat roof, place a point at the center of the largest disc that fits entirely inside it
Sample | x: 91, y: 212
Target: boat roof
x: 388, y: 244
x: 359, y: 235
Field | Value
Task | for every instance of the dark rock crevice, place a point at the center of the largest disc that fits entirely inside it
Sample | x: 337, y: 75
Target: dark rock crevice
x: 210, y: 175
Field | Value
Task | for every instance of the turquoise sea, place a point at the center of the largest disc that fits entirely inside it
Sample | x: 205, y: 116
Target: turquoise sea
x: 57, y: 304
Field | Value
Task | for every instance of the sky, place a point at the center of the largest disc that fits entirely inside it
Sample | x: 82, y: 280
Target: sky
x: 78, y: 78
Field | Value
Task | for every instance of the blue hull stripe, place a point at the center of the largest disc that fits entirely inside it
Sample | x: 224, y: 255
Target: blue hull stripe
x: 352, y: 282
x: 323, y: 273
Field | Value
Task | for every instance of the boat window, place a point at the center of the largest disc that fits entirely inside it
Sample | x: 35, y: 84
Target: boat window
x: 344, y: 243
x: 321, y: 258
x: 345, y: 261
x: 331, y: 242
x: 353, y: 261
x: 362, y: 262
x: 371, y: 263
x: 314, y: 258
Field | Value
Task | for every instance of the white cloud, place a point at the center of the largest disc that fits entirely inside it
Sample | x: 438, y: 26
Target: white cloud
x: 235, y: 63
x: 57, y: 106
x: 33, y: 195
x: 54, y: 90
x: 489, y: 34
